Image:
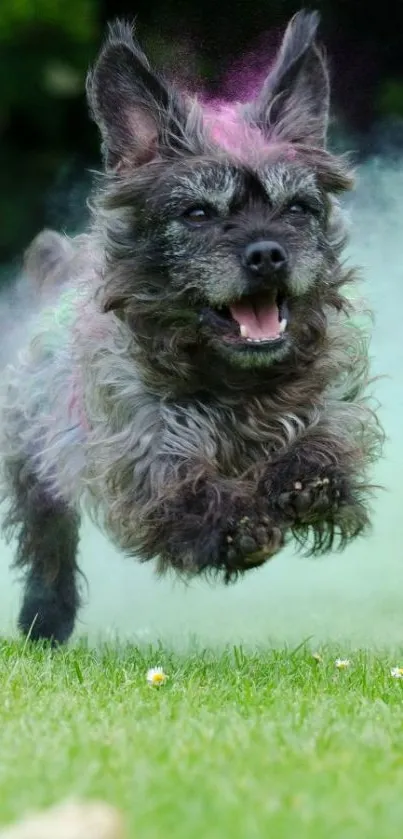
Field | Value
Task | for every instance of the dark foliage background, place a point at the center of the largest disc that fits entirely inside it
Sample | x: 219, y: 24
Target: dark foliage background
x: 47, y: 143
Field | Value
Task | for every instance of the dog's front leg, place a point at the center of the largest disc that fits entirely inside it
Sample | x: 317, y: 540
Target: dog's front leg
x: 317, y: 489
x: 200, y: 522
x: 166, y: 498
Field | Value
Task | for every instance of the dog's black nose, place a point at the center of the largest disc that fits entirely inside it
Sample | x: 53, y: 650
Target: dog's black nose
x: 264, y: 258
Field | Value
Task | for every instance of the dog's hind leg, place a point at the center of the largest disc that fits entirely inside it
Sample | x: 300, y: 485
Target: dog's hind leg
x: 47, y: 534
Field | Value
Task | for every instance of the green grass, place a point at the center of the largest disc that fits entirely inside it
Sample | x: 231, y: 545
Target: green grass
x: 235, y: 744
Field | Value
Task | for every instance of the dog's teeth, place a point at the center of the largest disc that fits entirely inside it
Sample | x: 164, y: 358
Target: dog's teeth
x: 283, y: 325
x: 243, y: 330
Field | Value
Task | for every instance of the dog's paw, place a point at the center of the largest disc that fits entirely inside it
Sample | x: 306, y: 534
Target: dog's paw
x: 307, y: 501
x: 210, y: 538
x: 252, y: 540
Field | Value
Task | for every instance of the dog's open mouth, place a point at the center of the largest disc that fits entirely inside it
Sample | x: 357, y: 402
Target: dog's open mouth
x: 255, y: 322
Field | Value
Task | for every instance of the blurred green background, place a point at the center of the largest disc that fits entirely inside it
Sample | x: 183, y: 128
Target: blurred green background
x: 47, y: 143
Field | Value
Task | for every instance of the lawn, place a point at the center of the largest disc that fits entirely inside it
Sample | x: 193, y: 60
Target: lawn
x: 235, y: 744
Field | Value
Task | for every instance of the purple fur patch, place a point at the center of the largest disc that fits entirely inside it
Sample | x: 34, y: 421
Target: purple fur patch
x: 245, y: 142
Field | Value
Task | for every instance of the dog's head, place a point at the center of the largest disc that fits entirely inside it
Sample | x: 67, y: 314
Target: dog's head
x: 219, y: 218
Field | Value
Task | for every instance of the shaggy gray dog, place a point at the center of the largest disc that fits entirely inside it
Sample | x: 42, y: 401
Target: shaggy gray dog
x: 197, y: 382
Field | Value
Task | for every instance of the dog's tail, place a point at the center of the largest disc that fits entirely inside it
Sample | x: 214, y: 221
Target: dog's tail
x: 47, y: 262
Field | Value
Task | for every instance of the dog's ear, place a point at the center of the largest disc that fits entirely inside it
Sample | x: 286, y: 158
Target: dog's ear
x: 130, y: 103
x: 293, y: 104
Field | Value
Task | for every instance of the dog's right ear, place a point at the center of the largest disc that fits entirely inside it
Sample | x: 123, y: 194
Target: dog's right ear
x: 129, y: 101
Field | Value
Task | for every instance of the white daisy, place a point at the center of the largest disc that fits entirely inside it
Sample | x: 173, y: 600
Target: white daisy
x: 156, y: 676
x: 397, y: 672
x: 342, y: 663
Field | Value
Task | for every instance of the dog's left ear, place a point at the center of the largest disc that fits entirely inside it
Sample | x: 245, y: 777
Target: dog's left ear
x: 293, y: 104
x: 133, y: 107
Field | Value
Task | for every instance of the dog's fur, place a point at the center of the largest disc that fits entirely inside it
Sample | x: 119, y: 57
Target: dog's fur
x: 136, y: 397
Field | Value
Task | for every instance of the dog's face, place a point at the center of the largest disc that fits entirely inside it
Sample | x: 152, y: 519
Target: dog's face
x: 224, y: 213
x: 245, y: 247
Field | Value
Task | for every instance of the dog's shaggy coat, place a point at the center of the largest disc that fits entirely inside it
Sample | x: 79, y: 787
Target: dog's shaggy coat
x: 197, y: 381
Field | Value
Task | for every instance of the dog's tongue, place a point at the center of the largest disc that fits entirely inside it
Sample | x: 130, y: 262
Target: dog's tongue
x: 258, y: 321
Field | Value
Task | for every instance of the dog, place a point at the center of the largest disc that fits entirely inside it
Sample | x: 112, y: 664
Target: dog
x: 195, y: 380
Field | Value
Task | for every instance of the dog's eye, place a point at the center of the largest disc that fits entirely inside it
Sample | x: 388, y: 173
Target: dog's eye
x: 298, y: 208
x: 197, y: 215
x: 303, y: 208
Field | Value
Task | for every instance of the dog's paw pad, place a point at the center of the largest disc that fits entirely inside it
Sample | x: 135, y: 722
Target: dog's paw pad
x: 313, y: 497
x: 252, y: 542
x: 247, y: 544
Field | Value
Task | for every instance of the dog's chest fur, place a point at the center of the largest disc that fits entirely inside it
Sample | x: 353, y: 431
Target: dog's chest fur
x: 232, y: 437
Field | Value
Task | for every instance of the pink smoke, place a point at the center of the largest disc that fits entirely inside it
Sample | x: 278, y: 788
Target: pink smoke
x: 244, y: 77
x: 223, y: 117
x: 241, y: 83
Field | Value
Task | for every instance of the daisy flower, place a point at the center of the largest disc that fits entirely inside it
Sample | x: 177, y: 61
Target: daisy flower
x: 156, y: 676
x: 342, y: 663
x: 397, y: 672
